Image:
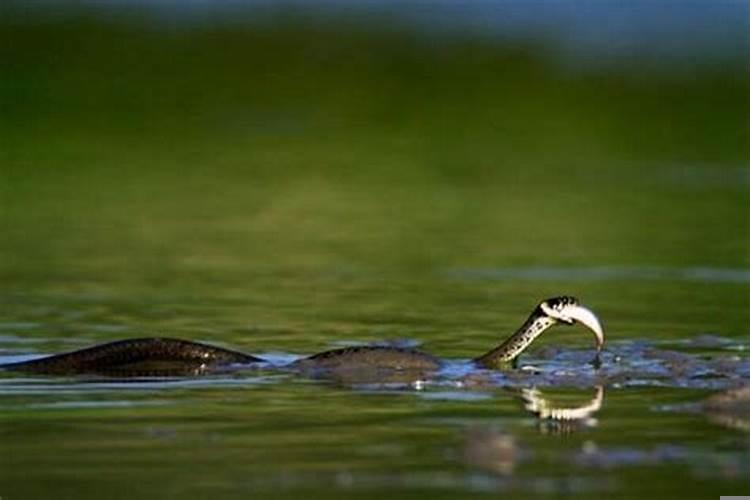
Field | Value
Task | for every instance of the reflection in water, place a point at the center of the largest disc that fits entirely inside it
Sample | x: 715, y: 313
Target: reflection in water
x: 491, y: 450
x: 543, y: 408
x: 730, y: 408
x: 373, y: 378
x: 558, y: 420
x: 497, y: 452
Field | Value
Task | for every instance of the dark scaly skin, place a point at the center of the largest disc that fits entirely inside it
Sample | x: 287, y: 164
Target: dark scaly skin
x: 394, y: 358
x: 136, y: 357
x: 406, y: 360
x: 399, y: 358
x: 419, y: 363
x: 369, y: 365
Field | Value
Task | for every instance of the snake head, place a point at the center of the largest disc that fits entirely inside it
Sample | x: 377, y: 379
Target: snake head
x: 566, y: 309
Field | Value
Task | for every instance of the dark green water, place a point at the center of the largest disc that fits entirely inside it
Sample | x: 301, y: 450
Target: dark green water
x: 282, y: 191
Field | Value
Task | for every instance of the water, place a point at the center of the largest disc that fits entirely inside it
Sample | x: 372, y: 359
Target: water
x: 269, y: 433
x: 224, y: 185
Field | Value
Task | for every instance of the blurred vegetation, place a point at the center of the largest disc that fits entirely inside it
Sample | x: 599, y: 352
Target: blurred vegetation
x: 147, y: 152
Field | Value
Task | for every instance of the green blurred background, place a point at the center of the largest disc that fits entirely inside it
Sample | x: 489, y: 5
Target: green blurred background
x: 291, y: 176
x: 140, y: 148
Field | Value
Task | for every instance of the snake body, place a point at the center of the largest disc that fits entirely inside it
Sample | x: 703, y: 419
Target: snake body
x: 168, y: 355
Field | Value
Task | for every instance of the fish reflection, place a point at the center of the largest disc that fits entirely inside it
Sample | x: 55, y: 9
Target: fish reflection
x: 554, y: 419
x: 497, y: 452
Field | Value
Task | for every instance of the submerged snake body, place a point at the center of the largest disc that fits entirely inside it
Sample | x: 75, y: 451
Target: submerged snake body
x: 166, y: 356
x: 382, y: 357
